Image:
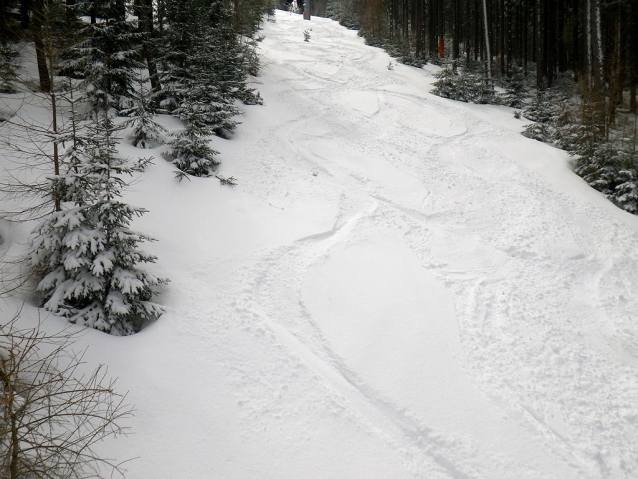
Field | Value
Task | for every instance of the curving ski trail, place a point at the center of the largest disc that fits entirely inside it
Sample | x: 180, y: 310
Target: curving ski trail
x: 401, y: 286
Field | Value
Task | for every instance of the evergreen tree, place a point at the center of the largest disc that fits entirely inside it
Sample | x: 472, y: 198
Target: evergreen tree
x: 464, y: 85
x: 8, y: 69
x: 203, y: 56
x: 229, y: 60
x: 600, y: 168
x: 590, y: 129
x: 447, y: 84
x: 190, y: 148
x: 549, y: 111
x: 146, y: 131
x: 346, y: 12
x: 86, y: 252
x: 626, y: 193
x: 515, y: 89
x: 108, y: 58
x: 177, y: 45
x: 538, y: 131
x: 482, y: 90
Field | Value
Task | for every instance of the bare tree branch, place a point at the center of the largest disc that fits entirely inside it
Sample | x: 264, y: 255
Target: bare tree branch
x: 51, y: 417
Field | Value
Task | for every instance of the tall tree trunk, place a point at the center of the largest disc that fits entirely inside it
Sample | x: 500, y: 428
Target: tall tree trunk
x: 456, y: 29
x: 4, y: 34
x: 595, y: 45
x: 146, y: 27
x: 93, y: 12
x: 25, y: 7
x: 487, y: 42
x: 501, y: 40
x: 40, y: 51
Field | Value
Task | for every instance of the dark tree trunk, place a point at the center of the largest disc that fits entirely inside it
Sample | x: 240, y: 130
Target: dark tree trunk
x: 4, y: 34
x: 93, y: 12
x: 25, y: 7
x: 40, y: 50
x: 146, y: 27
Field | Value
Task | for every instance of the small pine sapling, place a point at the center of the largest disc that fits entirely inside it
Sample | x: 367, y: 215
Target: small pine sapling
x: 147, y: 133
x: 190, y: 149
x: 230, y: 181
x: 515, y: 89
x: 626, y: 193
x: 545, y: 110
x: 483, y: 92
x: 192, y: 153
x: 306, y: 36
x: 8, y: 69
x: 252, y: 62
x: 538, y: 131
x: 464, y: 86
x: 600, y: 169
x: 447, y: 84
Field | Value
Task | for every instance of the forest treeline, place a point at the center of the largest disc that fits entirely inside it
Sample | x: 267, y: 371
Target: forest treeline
x: 569, y: 65
x: 596, y: 39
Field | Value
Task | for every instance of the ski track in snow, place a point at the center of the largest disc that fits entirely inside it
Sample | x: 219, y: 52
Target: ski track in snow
x: 413, y: 295
x: 515, y: 255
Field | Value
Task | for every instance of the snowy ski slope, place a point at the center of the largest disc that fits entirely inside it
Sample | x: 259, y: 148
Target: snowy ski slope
x: 401, y: 286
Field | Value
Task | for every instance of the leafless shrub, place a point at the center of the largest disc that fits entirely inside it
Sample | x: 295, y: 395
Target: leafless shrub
x: 51, y: 413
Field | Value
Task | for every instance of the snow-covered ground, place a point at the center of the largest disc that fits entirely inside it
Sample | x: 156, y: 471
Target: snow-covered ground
x: 399, y: 286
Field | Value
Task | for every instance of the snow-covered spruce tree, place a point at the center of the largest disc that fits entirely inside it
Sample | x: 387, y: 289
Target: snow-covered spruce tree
x: 346, y: 12
x: 483, y: 90
x: 540, y: 110
x: 515, y: 89
x: 8, y: 68
x: 447, y: 84
x: 71, y: 184
x: 590, y: 130
x: 141, y: 117
x: 541, y: 113
x: 247, y: 15
x: 464, y: 85
x: 86, y: 253
x: 467, y: 85
x: 234, y: 58
x: 538, y: 131
x: 600, y: 168
x: 109, y: 58
x: 546, y: 110
x: 625, y: 194
x: 204, y: 58
x: 175, y: 47
x: 211, y: 89
x: 565, y: 131
x: 252, y: 64
x: 191, y: 149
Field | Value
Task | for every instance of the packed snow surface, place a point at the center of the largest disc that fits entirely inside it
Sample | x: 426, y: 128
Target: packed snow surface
x: 400, y: 286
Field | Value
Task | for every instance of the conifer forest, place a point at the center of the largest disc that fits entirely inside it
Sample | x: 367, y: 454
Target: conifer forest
x: 320, y: 238
x: 102, y: 60
x: 569, y: 65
